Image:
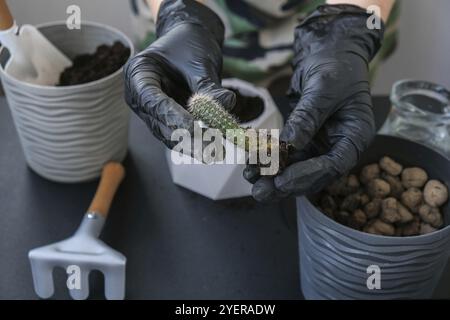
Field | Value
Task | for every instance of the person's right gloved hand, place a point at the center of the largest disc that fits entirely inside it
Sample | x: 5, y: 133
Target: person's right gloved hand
x: 332, y: 121
x: 186, y: 58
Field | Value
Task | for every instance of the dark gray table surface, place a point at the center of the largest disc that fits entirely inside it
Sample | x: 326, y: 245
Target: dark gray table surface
x: 178, y: 245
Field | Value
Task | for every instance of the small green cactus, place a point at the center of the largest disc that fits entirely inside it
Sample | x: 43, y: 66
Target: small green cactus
x: 206, y: 109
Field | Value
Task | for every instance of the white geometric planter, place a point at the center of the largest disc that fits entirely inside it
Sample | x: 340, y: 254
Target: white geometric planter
x: 224, y: 181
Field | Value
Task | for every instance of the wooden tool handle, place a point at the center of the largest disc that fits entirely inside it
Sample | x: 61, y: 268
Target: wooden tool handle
x: 6, y: 19
x: 112, y: 175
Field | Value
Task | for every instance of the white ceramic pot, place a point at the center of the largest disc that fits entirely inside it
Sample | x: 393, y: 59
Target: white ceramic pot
x: 224, y: 181
x: 68, y: 133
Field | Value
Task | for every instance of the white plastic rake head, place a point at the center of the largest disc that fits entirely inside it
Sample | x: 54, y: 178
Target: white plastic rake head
x: 84, y: 252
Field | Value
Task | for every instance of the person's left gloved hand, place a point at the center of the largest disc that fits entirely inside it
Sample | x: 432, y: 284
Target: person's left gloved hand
x: 332, y: 121
x: 185, y: 59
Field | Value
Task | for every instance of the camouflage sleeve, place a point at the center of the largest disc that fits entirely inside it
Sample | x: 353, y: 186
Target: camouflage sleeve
x: 259, y: 34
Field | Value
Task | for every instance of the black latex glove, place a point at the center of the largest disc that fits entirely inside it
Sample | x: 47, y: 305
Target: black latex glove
x: 332, y: 120
x: 186, y: 58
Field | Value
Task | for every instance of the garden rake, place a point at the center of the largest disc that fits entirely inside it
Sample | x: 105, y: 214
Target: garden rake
x: 84, y: 251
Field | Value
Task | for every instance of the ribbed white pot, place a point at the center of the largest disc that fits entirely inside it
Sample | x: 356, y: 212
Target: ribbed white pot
x: 69, y: 133
x: 223, y: 180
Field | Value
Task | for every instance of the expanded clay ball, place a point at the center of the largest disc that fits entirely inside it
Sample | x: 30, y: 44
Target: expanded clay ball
x: 431, y: 215
x: 358, y: 219
x: 344, y: 186
x: 342, y: 217
x: 410, y: 229
x: 385, y: 199
x: 389, y: 210
x: 327, y: 202
x: 390, y: 166
x: 435, y: 193
x: 414, y: 177
x: 338, y: 187
x: 405, y: 215
x: 373, y: 208
x: 378, y: 188
x: 350, y: 203
x: 381, y: 228
x: 412, y: 198
x: 426, y: 228
x: 364, y: 199
x: 353, y: 183
x: 328, y: 205
x: 369, y: 172
x: 395, y: 183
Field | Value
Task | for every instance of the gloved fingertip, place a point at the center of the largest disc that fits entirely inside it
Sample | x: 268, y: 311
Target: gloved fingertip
x: 264, y: 191
x: 251, y: 173
x: 228, y: 99
x: 279, y: 182
x: 176, y: 117
x: 225, y: 97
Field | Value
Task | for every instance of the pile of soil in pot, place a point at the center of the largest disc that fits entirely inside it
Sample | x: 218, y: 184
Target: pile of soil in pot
x: 387, y: 199
x: 106, y: 60
x: 247, y: 108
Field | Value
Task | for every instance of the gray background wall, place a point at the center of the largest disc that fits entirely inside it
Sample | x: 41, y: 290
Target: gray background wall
x: 423, y: 53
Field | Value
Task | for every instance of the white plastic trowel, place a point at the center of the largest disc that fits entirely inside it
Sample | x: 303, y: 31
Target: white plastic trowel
x: 33, y: 58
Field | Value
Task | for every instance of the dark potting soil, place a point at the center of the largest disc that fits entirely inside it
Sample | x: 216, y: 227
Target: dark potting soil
x: 106, y: 60
x: 247, y: 108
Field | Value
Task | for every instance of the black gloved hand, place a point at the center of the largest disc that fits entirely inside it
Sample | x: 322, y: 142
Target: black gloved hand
x: 186, y: 58
x: 332, y: 120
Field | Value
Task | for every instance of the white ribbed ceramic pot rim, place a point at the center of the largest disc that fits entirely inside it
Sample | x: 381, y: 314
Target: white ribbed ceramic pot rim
x: 55, y: 90
x: 69, y: 132
x: 368, y: 239
x: 334, y: 258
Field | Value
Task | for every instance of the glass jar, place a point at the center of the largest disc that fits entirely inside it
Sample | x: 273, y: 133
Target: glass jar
x: 420, y: 112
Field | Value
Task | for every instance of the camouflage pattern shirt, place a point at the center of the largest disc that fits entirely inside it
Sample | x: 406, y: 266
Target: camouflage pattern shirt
x: 259, y: 35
